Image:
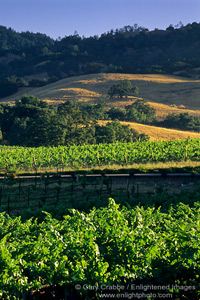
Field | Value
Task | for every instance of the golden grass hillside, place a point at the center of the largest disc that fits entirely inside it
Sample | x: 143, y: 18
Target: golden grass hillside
x: 159, y: 89
x: 159, y: 133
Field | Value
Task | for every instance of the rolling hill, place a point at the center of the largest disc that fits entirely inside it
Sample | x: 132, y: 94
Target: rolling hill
x: 161, y: 91
x: 167, y: 94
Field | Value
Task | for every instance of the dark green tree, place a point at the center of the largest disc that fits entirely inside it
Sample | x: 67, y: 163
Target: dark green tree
x: 122, y: 88
x: 95, y: 111
x: 117, y: 113
x: 18, y: 134
x: 115, y: 131
x: 140, y: 112
x: 181, y: 121
x: 46, y: 130
x: 77, y: 125
x: 20, y: 122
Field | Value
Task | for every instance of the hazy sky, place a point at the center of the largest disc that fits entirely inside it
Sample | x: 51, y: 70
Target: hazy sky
x: 89, y: 17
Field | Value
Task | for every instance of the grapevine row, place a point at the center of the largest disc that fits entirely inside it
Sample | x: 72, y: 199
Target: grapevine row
x: 97, y: 155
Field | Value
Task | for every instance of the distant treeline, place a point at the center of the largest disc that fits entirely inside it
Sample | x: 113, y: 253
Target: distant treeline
x: 142, y: 112
x: 32, y: 122
x: 10, y: 85
x: 131, y: 49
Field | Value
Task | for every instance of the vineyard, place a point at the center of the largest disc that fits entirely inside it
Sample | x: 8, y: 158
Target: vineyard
x: 87, y: 156
x: 62, y: 236
x: 113, y: 247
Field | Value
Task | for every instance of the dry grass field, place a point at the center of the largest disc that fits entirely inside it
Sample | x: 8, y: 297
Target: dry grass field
x: 159, y: 133
x: 162, y: 89
x: 162, y: 110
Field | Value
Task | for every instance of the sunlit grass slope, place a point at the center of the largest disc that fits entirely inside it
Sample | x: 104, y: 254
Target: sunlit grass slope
x: 159, y: 133
x: 159, y: 89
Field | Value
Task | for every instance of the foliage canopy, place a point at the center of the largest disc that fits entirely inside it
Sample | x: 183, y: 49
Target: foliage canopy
x: 109, y: 246
x: 32, y: 122
x: 122, y: 88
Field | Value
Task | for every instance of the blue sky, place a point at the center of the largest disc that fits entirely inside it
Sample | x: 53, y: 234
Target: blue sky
x: 94, y: 17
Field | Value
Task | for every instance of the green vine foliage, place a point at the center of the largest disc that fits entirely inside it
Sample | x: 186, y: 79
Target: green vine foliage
x: 27, y: 158
x: 110, y: 245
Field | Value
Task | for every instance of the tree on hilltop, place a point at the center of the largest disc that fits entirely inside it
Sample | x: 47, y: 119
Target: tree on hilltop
x: 122, y: 88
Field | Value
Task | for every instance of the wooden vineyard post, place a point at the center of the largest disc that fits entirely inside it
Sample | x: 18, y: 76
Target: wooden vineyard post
x: 101, y: 187
x: 72, y: 188
x: 84, y: 185
x: 127, y: 186
x: 57, y: 194
x: 45, y: 187
x: 35, y: 180
x: 84, y: 180
x: 110, y: 186
x: 133, y: 186
x: 76, y: 182
x: 107, y: 182
x: 8, y: 205
x: 1, y: 194
x: 28, y: 196
x: 60, y: 179
x: 19, y: 187
x: 4, y: 180
x: 41, y: 179
x: 137, y: 190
